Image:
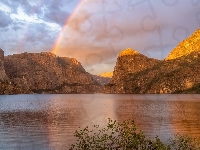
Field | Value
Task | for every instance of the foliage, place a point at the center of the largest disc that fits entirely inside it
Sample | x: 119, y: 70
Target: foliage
x: 183, y: 142
x: 116, y: 136
x: 123, y: 136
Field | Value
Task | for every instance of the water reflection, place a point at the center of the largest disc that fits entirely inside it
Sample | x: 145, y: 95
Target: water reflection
x: 49, y: 121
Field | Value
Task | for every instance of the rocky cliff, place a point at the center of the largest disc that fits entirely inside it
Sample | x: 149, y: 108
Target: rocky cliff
x: 46, y: 73
x: 3, y: 76
x: 178, y: 73
x: 6, y: 87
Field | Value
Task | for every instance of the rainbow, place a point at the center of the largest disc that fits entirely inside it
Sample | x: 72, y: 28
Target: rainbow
x: 58, y: 40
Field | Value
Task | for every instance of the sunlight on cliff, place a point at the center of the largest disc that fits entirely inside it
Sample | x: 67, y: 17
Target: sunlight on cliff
x: 128, y: 51
x: 186, y: 47
x: 106, y: 74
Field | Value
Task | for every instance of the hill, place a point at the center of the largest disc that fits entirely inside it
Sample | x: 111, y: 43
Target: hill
x: 47, y: 73
x: 178, y: 73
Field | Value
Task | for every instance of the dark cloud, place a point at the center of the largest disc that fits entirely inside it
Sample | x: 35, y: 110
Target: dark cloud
x: 57, y: 16
x: 5, y: 19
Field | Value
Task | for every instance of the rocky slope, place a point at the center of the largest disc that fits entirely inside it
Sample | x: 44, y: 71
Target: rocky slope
x: 6, y: 86
x: 46, y: 73
x: 128, y: 62
x: 101, y: 80
x: 178, y: 73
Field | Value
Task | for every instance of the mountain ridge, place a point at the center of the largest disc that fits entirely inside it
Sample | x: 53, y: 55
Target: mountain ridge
x: 178, y: 73
x: 47, y: 73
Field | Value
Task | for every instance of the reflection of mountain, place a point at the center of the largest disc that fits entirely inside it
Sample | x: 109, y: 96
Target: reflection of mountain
x: 50, y: 121
x: 178, y: 73
x: 46, y: 73
x: 39, y: 130
x: 164, y: 118
x: 186, y: 118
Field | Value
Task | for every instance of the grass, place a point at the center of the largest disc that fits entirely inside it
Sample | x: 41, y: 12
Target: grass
x: 124, y: 136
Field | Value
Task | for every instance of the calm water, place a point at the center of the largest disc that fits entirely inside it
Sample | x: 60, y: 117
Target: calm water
x: 48, y: 122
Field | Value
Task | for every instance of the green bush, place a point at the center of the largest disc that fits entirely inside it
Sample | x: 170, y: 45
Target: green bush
x: 123, y: 136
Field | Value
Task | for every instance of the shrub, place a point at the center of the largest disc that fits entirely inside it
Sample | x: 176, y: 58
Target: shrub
x: 123, y: 136
x: 116, y: 136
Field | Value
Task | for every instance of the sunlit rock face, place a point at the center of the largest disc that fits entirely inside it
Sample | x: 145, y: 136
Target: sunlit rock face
x: 106, y: 74
x: 128, y: 62
x: 178, y: 73
x: 46, y: 73
x: 186, y: 47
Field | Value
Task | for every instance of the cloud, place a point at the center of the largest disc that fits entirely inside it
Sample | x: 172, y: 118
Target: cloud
x: 98, y: 30
x: 102, y: 30
x: 5, y: 19
x: 57, y: 16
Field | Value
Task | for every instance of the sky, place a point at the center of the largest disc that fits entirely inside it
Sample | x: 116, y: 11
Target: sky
x: 95, y: 31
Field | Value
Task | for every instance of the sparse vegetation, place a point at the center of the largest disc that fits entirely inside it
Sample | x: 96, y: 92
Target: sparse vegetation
x: 124, y: 136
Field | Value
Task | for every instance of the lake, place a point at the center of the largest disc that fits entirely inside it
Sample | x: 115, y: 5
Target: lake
x: 48, y: 122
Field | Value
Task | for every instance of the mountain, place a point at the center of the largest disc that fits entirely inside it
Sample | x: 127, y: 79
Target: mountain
x: 6, y: 86
x: 47, y: 73
x: 3, y: 76
x: 178, y: 73
x: 106, y: 74
x: 186, y: 47
x: 103, y: 78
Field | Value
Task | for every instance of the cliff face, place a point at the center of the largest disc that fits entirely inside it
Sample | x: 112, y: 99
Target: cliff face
x: 178, y: 73
x: 128, y: 62
x: 3, y: 76
x: 46, y: 73
x: 6, y: 87
x: 187, y: 46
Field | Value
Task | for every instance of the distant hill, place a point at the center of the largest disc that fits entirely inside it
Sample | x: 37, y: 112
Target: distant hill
x: 47, y: 73
x: 101, y: 80
x: 178, y: 73
x: 106, y: 74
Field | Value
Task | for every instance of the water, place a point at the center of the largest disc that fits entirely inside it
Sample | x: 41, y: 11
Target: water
x: 48, y: 122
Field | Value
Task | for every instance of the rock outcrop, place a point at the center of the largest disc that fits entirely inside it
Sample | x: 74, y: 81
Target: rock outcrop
x: 46, y: 73
x: 3, y: 76
x: 6, y: 87
x: 178, y: 73
x: 128, y: 62
x: 186, y: 47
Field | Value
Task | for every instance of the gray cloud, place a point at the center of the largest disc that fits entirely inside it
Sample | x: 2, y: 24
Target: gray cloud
x: 5, y: 19
x: 57, y: 16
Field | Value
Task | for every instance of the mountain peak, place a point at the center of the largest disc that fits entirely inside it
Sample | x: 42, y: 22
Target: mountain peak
x: 186, y: 47
x: 106, y: 74
x: 127, y: 52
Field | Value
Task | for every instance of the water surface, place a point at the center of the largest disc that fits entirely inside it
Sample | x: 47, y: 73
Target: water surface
x: 48, y: 122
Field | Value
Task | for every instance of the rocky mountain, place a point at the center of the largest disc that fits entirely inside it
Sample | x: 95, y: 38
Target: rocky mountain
x: 3, y: 76
x: 106, y: 74
x: 178, y: 73
x: 101, y: 80
x: 47, y: 73
x: 6, y: 87
x: 186, y: 47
